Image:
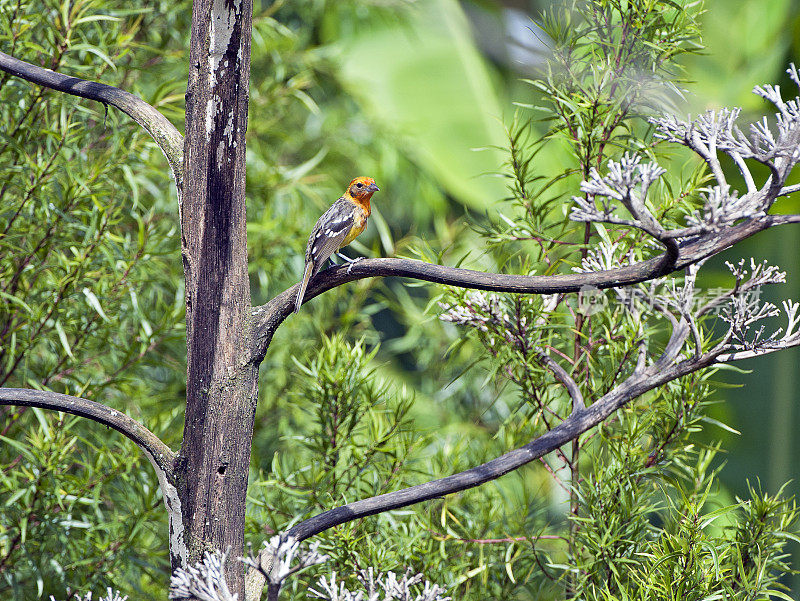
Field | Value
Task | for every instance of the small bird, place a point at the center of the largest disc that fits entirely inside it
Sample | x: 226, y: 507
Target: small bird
x: 337, y: 228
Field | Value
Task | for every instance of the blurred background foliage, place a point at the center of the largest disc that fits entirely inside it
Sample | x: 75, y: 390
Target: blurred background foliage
x: 366, y: 390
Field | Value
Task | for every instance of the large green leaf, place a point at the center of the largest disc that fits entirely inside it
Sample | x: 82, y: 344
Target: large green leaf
x: 424, y: 80
x: 746, y: 44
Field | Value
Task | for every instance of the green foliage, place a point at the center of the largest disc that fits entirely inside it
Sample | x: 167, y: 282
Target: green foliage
x: 611, y: 63
x: 641, y: 514
x: 652, y: 522
x: 344, y: 421
x: 367, y: 390
x: 77, y: 512
x: 88, y: 305
x: 347, y: 437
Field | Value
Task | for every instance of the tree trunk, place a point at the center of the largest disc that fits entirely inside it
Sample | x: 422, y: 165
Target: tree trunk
x: 221, y: 389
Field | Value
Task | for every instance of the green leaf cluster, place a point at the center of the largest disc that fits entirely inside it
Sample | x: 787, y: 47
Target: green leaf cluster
x: 89, y: 304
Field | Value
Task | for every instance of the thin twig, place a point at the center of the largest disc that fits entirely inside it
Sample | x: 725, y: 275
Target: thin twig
x: 562, y: 376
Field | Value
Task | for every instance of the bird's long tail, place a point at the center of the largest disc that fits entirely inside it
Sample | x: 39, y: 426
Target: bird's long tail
x: 303, y: 285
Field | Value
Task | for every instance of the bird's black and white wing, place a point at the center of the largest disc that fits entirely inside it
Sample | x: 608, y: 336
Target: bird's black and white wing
x: 329, y: 233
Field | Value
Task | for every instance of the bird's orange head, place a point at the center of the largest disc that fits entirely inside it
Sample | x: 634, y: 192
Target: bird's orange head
x: 361, y: 190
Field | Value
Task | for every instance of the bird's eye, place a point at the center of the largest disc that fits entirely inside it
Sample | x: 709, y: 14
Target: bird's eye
x: 359, y: 185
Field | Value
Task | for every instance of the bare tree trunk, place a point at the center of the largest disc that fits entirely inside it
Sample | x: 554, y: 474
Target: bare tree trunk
x: 221, y: 390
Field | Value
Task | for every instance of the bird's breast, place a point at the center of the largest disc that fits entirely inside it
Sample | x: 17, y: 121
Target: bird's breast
x: 359, y: 225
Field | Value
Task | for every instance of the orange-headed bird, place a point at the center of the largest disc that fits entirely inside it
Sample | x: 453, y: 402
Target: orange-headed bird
x: 337, y: 228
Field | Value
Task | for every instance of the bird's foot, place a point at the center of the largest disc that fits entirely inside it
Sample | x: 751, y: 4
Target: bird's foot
x: 353, y: 262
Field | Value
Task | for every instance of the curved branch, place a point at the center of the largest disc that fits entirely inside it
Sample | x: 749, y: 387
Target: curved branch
x: 562, y: 376
x: 159, y: 453
x: 268, y: 317
x: 579, y: 422
x: 786, y: 190
x: 157, y: 125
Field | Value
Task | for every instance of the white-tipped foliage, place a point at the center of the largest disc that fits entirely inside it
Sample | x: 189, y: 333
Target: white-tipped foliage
x: 111, y: 595
x: 381, y: 587
x: 478, y: 309
x: 629, y: 180
x: 204, y: 581
x: 745, y: 310
x: 282, y: 557
x: 285, y: 557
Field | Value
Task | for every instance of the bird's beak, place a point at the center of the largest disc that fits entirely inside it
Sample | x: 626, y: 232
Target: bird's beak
x: 373, y: 188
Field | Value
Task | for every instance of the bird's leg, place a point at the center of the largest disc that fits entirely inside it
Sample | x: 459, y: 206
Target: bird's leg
x: 347, y: 259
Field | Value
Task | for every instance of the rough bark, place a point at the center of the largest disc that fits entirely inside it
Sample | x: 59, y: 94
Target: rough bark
x: 221, y: 381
